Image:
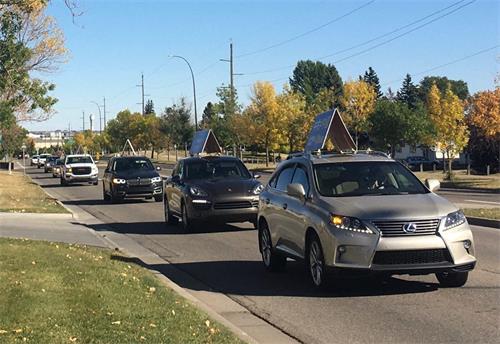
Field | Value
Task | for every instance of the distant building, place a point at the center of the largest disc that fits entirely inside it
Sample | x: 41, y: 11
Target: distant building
x: 405, y: 151
x: 47, y: 139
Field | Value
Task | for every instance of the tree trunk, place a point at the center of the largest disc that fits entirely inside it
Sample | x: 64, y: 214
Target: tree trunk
x: 267, y: 154
x: 356, y: 137
x: 152, y: 152
x: 450, y: 172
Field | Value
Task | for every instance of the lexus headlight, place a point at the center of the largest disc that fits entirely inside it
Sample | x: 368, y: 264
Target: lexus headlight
x: 156, y: 179
x: 196, y: 191
x: 454, y: 219
x: 349, y: 223
x: 119, y: 181
x: 258, y: 189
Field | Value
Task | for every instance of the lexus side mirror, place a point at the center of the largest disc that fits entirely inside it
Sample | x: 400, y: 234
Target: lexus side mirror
x: 296, y: 190
x: 432, y: 184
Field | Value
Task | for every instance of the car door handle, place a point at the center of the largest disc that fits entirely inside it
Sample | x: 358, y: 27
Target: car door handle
x: 285, y: 205
x: 268, y: 201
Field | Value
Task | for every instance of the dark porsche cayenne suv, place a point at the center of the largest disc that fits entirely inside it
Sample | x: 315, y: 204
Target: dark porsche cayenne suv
x: 131, y: 177
x: 218, y: 189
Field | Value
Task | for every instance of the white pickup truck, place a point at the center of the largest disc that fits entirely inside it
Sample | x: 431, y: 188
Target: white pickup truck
x: 79, y: 169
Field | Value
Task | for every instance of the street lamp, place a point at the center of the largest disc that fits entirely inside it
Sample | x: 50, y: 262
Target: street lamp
x: 194, y: 89
x: 100, y: 122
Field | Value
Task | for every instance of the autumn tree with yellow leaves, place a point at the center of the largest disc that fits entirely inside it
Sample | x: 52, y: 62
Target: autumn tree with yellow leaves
x: 446, y: 112
x: 296, y: 123
x: 358, y: 102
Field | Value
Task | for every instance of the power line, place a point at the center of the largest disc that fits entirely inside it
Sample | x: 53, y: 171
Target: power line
x: 307, y: 32
x: 381, y: 36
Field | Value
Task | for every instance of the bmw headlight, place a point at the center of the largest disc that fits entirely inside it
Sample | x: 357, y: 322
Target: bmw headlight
x: 454, y: 219
x: 119, y: 181
x: 196, y: 191
x: 156, y: 179
x: 258, y: 189
x: 349, y: 223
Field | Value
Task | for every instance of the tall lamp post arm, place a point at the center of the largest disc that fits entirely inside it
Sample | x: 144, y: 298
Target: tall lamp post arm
x: 194, y: 90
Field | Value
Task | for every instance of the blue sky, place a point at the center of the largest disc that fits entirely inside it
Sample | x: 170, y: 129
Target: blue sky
x: 114, y: 41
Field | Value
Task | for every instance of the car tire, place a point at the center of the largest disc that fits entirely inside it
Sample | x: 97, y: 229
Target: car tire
x: 105, y: 196
x: 158, y: 198
x: 272, y: 260
x: 114, y: 198
x: 188, y: 224
x: 452, y: 279
x: 96, y: 182
x: 63, y: 182
x: 169, y: 218
x: 315, y: 263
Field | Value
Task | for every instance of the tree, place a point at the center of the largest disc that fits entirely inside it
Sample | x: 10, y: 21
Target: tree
x: 149, y: 108
x: 30, y: 42
x: 371, y: 78
x: 13, y: 137
x: 408, y: 93
x: 291, y: 110
x: 358, y: 102
x: 153, y: 135
x: 208, y: 117
x: 484, y: 120
x: 458, y: 87
x: 176, y: 123
x: 446, y: 112
x: 223, y: 124
x: 309, y: 78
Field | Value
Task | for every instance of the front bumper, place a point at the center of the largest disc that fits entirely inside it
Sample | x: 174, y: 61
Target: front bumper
x: 228, y: 210
x: 423, y: 254
x: 126, y: 191
x: 89, y: 178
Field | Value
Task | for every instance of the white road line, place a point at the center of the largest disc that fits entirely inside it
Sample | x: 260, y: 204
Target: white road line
x: 487, y: 202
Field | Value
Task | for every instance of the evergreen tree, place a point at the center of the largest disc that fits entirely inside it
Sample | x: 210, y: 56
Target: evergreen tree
x: 149, y: 108
x: 176, y: 124
x: 208, y: 116
x: 372, y: 79
x: 408, y: 94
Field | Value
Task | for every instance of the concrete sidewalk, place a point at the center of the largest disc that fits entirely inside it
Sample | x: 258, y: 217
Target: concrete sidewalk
x: 78, y: 229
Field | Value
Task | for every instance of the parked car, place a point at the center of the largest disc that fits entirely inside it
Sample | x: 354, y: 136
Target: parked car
x: 49, y: 163
x: 79, y: 168
x: 414, y: 162
x: 211, y: 188
x: 57, y: 168
x: 364, y: 213
x: 131, y: 177
x: 34, y: 160
x: 41, y: 160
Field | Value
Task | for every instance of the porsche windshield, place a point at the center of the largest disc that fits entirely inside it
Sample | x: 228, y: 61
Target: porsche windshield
x: 366, y: 178
x: 202, y: 169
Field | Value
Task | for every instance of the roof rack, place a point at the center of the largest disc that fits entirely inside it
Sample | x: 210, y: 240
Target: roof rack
x: 326, y: 154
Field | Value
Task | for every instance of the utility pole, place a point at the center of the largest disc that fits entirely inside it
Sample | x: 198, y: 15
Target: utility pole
x: 83, y: 121
x: 231, y: 70
x: 104, y: 106
x: 142, y: 91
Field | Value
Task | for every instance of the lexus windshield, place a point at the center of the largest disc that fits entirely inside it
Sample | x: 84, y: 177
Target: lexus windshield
x: 366, y: 179
x: 216, y: 169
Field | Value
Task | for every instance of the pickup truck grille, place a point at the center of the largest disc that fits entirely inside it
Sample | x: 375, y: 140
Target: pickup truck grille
x: 410, y: 257
x: 395, y: 228
x: 81, y: 170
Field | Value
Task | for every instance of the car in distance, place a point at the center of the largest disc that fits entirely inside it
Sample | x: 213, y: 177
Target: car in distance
x: 364, y: 213
x: 211, y: 188
x: 57, y: 168
x: 131, y: 177
x: 414, y: 162
x: 41, y: 160
x: 49, y: 163
x: 34, y: 160
x: 79, y: 168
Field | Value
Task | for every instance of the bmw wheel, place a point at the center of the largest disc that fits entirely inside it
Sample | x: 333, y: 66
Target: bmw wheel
x: 452, y: 279
x: 316, y: 263
x: 272, y: 260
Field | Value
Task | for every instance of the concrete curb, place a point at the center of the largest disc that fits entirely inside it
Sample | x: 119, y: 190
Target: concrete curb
x: 485, y: 191
x: 479, y: 221
x: 51, y: 216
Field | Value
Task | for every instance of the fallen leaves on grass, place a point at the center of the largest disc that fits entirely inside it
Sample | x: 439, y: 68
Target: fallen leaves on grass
x: 173, y: 312
x: 3, y: 332
x: 73, y: 339
x: 118, y: 322
x: 207, y: 322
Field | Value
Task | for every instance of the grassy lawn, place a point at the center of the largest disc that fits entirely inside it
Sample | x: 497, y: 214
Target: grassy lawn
x: 18, y: 194
x: 57, y: 293
x: 488, y: 213
x: 462, y: 180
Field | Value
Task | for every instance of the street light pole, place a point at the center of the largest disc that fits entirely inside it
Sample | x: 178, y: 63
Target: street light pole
x: 194, y: 90
x: 100, y: 121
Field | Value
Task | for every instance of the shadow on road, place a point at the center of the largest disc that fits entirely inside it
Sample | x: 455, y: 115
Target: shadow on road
x: 103, y: 202
x: 249, y: 278
x: 162, y: 228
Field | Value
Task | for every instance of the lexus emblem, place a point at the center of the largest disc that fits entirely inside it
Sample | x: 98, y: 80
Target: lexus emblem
x: 410, y: 227
x: 229, y: 189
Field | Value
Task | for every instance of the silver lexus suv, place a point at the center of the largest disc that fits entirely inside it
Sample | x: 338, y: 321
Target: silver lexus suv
x: 361, y: 212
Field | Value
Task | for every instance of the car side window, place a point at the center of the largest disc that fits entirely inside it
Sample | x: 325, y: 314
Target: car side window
x: 300, y: 177
x: 285, y: 178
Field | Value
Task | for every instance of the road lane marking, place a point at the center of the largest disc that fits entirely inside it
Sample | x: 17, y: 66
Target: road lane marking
x: 487, y: 202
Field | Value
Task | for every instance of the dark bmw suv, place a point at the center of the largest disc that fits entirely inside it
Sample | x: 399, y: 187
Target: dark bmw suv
x: 220, y: 189
x: 131, y: 177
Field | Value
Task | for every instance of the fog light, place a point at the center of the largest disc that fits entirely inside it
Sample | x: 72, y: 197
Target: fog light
x: 341, y: 249
x: 467, y: 244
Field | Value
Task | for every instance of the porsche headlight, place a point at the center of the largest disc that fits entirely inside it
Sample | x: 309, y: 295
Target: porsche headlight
x: 156, y: 179
x: 196, y: 191
x: 258, y: 189
x: 349, y: 223
x: 454, y: 219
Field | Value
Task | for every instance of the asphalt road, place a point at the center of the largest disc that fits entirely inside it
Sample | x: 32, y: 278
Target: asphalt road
x: 226, y: 259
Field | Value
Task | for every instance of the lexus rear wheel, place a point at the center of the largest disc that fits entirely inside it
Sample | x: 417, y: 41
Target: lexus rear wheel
x: 272, y: 260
